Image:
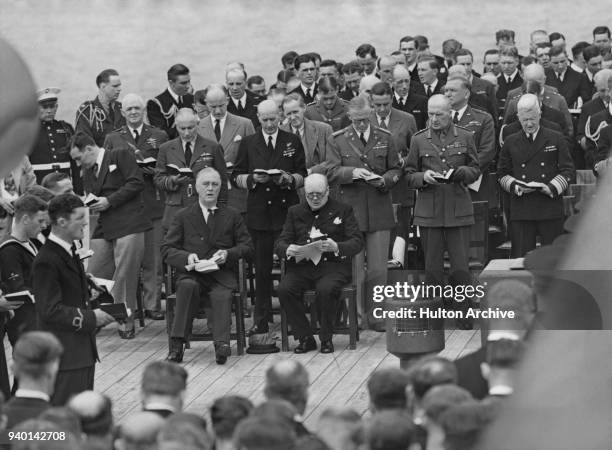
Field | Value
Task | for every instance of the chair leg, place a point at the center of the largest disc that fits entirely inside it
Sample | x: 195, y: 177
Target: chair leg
x: 140, y: 302
x: 240, y: 337
x: 169, y: 318
x: 284, y: 330
x: 353, y: 327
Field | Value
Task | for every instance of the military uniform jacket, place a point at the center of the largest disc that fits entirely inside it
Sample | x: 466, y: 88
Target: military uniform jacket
x: 337, y: 118
x: 443, y: 205
x: 190, y: 233
x: 120, y: 181
x: 372, y: 205
x: 162, y: 110
x: 604, y: 144
x: 416, y: 105
x: 480, y: 123
x: 589, y: 109
x: 547, y: 160
x: 62, y: 305
x: 267, y: 203
x: 572, y: 86
x: 593, y: 127
x: 503, y: 88
x: 334, y: 219
x: 51, y: 153
x: 147, y: 147
x: 315, y: 142
x: 94, y: 120
x: 307, y: 98
x: 205, y: 153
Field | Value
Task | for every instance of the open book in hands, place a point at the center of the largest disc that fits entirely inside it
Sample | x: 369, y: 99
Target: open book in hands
x: 203, y: 266
x: 90, y: 199
x: 146, y: 162
x: 173, y: 169
x: 444, y: 178
x: 271, y: 172
x: 371, y: 177
x: 533, y: 185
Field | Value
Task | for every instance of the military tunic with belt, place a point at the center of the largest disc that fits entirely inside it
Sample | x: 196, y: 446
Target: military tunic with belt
x: 337, y: 117
x: 51, y: 153
x: 96, y: 121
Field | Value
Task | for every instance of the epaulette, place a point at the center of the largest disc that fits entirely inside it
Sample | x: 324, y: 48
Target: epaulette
x: 463, y: 128
x: 339, y: 132
x: 120, y: 130
x: 421, y: 131
x: 384, y: 130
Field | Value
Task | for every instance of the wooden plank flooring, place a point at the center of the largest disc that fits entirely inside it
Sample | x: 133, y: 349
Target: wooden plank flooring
x: 338, y: 379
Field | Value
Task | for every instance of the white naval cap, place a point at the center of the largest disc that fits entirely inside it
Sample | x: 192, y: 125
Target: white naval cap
x: 50, y: 93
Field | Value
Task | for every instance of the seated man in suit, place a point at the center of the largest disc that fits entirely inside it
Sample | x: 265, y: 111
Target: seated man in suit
x: 327, y: 276
x: 118, y: 240
x: 192, y: 151
x: 163, y: 388
x: 228, y: 130
x: 205, y: 230
x: 313, y: 134
x: 35, y: 362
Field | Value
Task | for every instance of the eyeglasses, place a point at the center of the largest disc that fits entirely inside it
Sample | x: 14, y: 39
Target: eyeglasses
x: 316, y: 195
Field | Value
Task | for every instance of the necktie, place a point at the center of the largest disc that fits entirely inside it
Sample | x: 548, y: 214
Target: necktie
x: 136, y: 136
x: 509, y: 80
x: 188, y: 153
x: 429, y: 91
x: 94, y: 169
x: 403, y: 101
x: 180, y: 102
x: 111, y: 113
x: 362, y: 139
x: 456, y: 117
x: 383, y: 124
x: 211, y: 213
x: 240, y: 108
x: 309, y: 94
x: 218, y: 129
x: 270, y: 144
x: 530, y: 138
x: 560, y: 77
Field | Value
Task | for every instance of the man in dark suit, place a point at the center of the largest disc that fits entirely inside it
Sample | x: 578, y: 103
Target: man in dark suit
x: 242, y: 102
x: 113, y: 176
x: 162, y: 109
x: 598, y: 103
x: 313, y: 134
x: 60, y: 287
x: 98, y: 117
x: 36, y: 360
x: 510, y: 78
x: 337, y: 222
x: 538, y: 156
x: 228, y: 130
x: 162, y: 388
x: 329, y: 108
x: 143, y: 141
x: 409, y: 47
x: 270, y: 196
x: 305, y: 67
x: 200, y: 232
x: 566, y: 80
x: 593, y: 60
x: 353, y: 73
x: 428, y: 75
x: 478, y: 87
x: 404, y: 99
x: 444, y: 211
x: 192, y: 151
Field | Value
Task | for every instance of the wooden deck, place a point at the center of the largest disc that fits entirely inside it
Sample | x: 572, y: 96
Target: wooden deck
x: 336, y: 379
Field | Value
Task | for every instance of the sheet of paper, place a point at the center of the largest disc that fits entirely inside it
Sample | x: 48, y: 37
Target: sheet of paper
x: 108, y: 284
x: 475, y: 186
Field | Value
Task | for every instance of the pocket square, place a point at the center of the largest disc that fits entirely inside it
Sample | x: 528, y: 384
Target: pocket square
x: 337, y: 221
x: 238, y: 138
x: 112, y: 167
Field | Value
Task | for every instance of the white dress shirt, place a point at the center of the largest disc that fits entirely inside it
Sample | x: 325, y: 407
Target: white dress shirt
x: 266, y: 136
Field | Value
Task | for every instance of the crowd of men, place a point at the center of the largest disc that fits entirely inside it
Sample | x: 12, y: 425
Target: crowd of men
x: 333, y: 169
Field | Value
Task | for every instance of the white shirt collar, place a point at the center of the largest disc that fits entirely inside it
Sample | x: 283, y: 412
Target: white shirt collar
x: 62, y: 243
x: 460, y: 111
x: 99, y: 159
x: 173, y: 94
x: 411, y: 67
x: 512, y: 77
x: 501, y: 390
x: 31, y: 393
x: 139, y: 129
x: 206, y: 209
x: 274, y: 136
x: 305, y: 89
x: 242, y: 100
x: 366, y: 134
x: 498, y: 335
x: 399, y: 97
x: 589, y: 74
x: 432, y: 85
x: 535, y: 135
x: 299, y: 131
x: 183, y: 143
x: 221, y: 121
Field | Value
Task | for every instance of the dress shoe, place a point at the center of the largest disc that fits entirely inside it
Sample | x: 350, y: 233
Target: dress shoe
x: 306, y: 344
x: 257, y: 329
x: 327, y: 346
x: 127, y: 334
x: 222, y: 351
x: 154, y: 315
x: 176, y: 350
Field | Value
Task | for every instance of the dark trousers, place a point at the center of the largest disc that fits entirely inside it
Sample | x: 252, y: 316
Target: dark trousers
x: 190, y: 290
x: 263, y: 241
x: 524, y: 233
x: 72, y: 382
x: 456, y: 240
x: 5, y: 383
x: 327, y: 280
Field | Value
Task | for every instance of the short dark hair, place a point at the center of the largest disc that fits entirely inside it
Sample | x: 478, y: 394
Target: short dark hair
x: 464, y: 52
x: 63, y: 206
x: 381, y: 88
x: 592, y: 51
x: 303, y: 59
x: 50, y: 180
x: 227, y: 412
x: 255, y: 433
x: 432, y: 371
x: 504, y: 35
x: 387, y: 387
x: 422, y: 42
x: 164, y: 378
x: 491, y: 51
x: 463, y: 423
x: 509, y: 50
x: 365, y: 49
x: 352, y: 67
x: 105, y: 75
x: 601, y: 30
x: 556, y: 51
x: 329, y: 63
x: 406, y: 39
x: 578, y: 48
x: 327, y: 85
x: 177, y: 70
x: 311, y: 442
x: 199, y: 96
x: 29, y: 205
x: 451, y: 46
x: 554, y: 36
x: 254, y: 79
x: 34, y: 351
x: 285, y: 75
x: 390, y: 430
x: 65, y: 418
x: 315, y: 55
x: 532, y: 87
x: 529, y: 59
x: 433, y: 63
x: 289, y: 58
x: 41, y: 192
x: 81, y: 140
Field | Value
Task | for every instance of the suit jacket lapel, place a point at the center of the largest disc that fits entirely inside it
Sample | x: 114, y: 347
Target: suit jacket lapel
x: 103, y: 170
x: 465, y: 118
x: 198, y: 149
x: 197, y: 219
x: 371, y: 141
x: 530, y: 149
x: 310, y: 141
x: 278, y: 149
x: 178, y: 150
x: 70, y: 263
x: 229, y: 130
x: 262, y: 149
x: 216, y: 223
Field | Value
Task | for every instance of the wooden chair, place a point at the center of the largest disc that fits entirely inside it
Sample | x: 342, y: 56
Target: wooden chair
x: 347, y: 318
x: 238, y: 301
